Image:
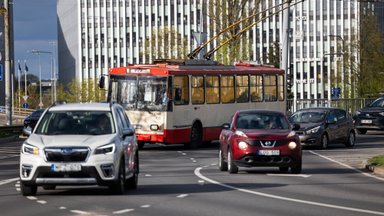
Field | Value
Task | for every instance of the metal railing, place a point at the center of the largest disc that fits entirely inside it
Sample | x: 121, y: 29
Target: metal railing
x: 18, y: 115
x: 350, y: 105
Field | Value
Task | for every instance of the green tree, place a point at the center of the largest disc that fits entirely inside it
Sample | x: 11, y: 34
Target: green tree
x: 85, y: 91
x: 274, y: 54
x: 371, y: 46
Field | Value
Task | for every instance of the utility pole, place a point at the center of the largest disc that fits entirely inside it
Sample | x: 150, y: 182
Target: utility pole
x: 39, y: 52
x: 285, y: 46
x: 4, y: 11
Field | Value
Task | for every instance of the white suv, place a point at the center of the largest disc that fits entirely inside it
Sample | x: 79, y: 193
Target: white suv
x: 80, y: 144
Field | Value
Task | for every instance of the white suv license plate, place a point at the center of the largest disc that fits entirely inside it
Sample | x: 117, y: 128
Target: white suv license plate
x: 268, y: 152
x: 71, y: 167
x: 365, y: 121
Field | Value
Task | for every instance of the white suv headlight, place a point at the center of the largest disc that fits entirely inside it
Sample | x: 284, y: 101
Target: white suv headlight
x: 313, y: 130
x: 105, y: 149
x: 29, y: 149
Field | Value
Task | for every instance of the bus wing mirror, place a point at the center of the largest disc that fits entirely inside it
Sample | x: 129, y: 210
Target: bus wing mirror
x: 102, y: 82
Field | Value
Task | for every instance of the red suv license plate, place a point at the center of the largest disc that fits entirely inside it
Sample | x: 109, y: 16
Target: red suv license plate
x: 268, y: 152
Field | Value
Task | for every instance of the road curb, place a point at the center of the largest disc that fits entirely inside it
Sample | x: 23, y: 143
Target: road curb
x: 375, y: 169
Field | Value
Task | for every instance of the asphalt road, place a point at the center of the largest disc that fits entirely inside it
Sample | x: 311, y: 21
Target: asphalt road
x: 175, y: 181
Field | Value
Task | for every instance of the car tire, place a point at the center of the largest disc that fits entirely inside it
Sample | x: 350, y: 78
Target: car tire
x: 118, y: 187
x: 351, y: 140
x: 49, y: 187
x: 361, y: 131
x: 283, y: 169
x: 223, y: 165
x: 131, y: 183
x: 28, y: 190
x: 232, y: 168
x: 296, y: 168
x: 324, y: 141
x: 196, y: 137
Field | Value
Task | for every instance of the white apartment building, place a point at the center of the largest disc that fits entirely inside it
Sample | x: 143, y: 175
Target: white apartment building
x: 95, y: 35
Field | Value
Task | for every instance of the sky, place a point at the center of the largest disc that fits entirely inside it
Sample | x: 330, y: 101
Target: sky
x: 35, y: 28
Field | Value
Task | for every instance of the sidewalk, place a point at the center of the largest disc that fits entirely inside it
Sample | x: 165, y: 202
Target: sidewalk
x: 377, y: 170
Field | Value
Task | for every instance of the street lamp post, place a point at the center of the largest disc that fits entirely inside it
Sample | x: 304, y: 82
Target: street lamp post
x: 53, y: 72
x: 39, y: 52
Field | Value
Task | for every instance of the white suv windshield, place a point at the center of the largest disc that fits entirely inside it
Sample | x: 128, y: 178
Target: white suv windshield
x: 76, y: 122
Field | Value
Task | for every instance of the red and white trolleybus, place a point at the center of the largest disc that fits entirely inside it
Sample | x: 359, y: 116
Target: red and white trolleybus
x: 187, y: 102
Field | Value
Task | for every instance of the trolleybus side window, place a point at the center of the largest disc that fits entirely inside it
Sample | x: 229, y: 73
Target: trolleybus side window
x: 180, y: 90
x: 213, y: 89
x: 281, y: 87
x: 227, y: 89
x: 256, y: 88
x: 270, y: 88
x: 242, y: 93
x: 197, y: 86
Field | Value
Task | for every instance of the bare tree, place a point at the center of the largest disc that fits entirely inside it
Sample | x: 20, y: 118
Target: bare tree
x: 223, y: 13
x: 165, y: 43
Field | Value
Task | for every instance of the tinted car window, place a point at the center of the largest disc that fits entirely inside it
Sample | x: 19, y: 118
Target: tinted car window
x: 331, y: 117
x: 308, y: 117
x: 340, y: 115
x: 261, y: 121
x: 377, y: 103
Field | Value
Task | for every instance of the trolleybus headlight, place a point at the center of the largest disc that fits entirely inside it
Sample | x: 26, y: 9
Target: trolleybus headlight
x: 154, y: 127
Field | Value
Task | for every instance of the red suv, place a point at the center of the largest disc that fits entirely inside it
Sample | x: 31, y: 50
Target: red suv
x: 259, y: 138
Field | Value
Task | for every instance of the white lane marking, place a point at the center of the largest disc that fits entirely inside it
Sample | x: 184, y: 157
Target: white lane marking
x: 79, y: 212
x: 148, y: 175
x: 6, y: 181
x: 349, y: 167
x: 62, y: 208
x: 198, y: 174
x: 123, y: 211
x: 145, y: 206
x: 288, y: 175
x: 182, y: 195
x: 201, y: 182
x: 31, y: 198
x: 17, y: 189
x: 184, y: 153
x: 42, y: 201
